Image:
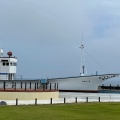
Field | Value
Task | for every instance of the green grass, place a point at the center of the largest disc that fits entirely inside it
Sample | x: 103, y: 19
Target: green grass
x: 81, y: 111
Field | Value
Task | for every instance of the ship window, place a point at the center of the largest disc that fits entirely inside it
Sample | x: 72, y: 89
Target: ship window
x: 3, y: 63
x: 7, y: 64
x: 10, y: 64
x: 4, y: 60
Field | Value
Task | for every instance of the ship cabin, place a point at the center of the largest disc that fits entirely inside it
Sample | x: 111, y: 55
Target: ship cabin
x: 7, y: 66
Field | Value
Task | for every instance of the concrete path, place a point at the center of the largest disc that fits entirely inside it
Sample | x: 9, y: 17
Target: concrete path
x: 70, y: 97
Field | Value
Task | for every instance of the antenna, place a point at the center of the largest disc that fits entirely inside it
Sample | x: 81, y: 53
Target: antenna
x: 82, y: 67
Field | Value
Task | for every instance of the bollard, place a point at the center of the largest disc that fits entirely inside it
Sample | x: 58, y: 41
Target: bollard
x: 76, y: 100
x: 35, y: 101
x: 64, y: 100
x: 50, y: 100
x: 99, y: 99
x: 86, y: 99
x: 16, y: 101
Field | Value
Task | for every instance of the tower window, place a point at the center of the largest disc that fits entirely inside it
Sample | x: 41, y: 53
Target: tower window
x: 7, y: 64
x: 3, y: 63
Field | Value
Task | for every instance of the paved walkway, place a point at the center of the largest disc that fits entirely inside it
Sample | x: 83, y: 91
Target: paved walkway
x: 70, y: 97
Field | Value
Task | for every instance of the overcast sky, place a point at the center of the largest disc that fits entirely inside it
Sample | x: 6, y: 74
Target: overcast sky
x: 45, y: 36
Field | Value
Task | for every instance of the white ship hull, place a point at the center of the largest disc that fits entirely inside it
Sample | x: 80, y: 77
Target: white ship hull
x: 80, y: 83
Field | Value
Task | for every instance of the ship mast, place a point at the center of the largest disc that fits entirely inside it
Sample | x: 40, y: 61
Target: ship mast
x: 82, y: 67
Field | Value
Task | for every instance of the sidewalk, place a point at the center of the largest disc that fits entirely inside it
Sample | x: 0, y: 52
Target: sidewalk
x: 69, y: 97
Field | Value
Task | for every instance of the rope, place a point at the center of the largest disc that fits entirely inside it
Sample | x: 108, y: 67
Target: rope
x: 96, y: 61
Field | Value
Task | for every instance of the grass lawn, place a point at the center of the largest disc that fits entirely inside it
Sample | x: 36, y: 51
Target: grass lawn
x: 80, y: 111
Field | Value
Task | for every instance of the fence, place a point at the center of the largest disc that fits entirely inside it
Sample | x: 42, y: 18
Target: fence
x: 82, y: 99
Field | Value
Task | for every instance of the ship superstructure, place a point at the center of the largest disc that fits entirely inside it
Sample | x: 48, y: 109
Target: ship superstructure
x: 7, y: 66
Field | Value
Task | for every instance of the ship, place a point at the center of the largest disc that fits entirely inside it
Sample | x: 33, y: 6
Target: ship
x: 87, y: 83
x: 81, y: 83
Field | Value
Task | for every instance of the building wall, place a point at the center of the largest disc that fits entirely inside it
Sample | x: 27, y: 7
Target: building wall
x: 28, y: 95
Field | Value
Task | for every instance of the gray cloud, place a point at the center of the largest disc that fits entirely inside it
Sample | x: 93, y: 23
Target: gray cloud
x: 45, y: 35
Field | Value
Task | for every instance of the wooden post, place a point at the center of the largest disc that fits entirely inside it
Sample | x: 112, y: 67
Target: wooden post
x: 64, y: 100
x: 76, y: 100
x: 16, y: 101
x: 50, y: 100
x: 35, y: 101
x: 87, y: 99
x: 99, y: 99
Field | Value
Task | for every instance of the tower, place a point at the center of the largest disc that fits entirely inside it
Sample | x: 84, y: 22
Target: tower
x: 7, y: 66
